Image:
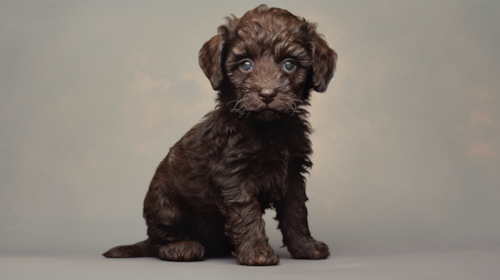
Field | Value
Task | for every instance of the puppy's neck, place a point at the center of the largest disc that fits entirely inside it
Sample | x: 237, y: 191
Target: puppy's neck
x: 223, y: 114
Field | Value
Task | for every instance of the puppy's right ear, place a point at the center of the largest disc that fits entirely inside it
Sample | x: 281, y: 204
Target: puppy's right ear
x: 211, y: 56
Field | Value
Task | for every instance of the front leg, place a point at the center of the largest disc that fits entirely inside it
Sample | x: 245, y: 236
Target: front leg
x: 292, y: 217
x: 245, y: 226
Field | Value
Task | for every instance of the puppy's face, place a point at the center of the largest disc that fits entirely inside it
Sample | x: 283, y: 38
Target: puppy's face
x: 265, y: 63
x: 268, y: 71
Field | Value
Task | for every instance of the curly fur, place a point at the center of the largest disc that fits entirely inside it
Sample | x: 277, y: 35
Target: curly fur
x: 208, y: 195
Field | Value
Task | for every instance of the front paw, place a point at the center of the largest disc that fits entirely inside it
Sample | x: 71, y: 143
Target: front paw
x: 309, y: 248
x: 257, y: 254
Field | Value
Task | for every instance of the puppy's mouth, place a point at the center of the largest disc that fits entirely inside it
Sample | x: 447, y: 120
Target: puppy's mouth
x: 262, y: 112
x: 254, y: 108
x: 267, y: 114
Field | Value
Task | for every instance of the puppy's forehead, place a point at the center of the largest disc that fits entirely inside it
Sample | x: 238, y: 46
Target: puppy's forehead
x: 280, y: 39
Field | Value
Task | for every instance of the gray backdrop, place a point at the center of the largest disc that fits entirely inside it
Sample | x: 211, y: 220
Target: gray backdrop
x: 406, y: 141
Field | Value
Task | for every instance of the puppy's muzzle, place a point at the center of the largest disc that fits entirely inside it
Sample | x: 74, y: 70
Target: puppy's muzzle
x: 267, y: 95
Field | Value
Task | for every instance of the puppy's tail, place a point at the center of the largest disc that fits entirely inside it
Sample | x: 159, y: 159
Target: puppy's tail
x: 141, y: 249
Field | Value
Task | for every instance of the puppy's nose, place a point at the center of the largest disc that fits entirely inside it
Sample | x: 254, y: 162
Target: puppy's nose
x: 267, y: 95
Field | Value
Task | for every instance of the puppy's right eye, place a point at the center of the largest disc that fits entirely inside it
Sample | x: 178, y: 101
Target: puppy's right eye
x: 246, y: 66
x: 289, y: 66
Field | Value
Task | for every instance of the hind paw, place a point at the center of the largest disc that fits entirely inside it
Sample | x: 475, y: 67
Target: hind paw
x: 182, y: 251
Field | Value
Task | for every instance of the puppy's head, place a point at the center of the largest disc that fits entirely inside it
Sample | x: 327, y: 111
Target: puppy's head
x: 265, y: 63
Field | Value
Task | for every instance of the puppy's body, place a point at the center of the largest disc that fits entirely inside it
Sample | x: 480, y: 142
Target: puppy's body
x: 249, y: 154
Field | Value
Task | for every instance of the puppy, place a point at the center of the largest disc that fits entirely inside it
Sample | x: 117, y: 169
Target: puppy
x: 249, y: 154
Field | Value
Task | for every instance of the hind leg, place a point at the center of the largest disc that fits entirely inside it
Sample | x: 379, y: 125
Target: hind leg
x: 174, y: 243
x: 168, y: 226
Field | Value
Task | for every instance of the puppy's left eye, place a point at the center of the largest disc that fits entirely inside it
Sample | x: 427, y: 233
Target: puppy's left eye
x: 288, y: 66
x: 246, y: 66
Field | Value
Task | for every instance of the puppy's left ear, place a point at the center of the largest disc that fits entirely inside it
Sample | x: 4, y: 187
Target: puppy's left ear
x: 211, y: 55
x: 324, y: 64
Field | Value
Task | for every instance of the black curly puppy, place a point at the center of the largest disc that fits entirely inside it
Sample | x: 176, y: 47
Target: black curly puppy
x: 250, y: 153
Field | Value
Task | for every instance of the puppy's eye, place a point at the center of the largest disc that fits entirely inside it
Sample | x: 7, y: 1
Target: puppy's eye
x: 288, y: 66
x: 246, y: 66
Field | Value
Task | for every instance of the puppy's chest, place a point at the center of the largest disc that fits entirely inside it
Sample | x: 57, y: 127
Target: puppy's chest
x: 257, y: 151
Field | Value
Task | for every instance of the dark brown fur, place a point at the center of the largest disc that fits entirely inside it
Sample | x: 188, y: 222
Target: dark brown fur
x: 249, y: 154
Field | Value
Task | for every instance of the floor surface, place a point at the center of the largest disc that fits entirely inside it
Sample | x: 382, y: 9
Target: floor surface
x: 459, y: 264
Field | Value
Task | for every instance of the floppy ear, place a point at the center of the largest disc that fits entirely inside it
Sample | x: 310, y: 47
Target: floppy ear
x: 210, y: 57
x: 324, y: 64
